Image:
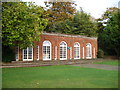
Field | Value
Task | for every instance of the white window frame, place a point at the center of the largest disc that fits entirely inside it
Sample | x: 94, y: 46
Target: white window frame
x: 17, y: 53
x: 46, y: 50
x: 90, y: 47
x: 27, y: 55
x: 66, y: 50
x: 37, y: 52
x: 78, y: 50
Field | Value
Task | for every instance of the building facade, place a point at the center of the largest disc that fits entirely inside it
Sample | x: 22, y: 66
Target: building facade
x: 59, y: 47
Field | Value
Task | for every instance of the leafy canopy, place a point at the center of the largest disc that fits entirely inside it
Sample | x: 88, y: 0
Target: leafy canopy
x: 58, y: 12
x: 109, y: 35
x: 112, y: 33
x: 22, y: 23
x: 81, y: 24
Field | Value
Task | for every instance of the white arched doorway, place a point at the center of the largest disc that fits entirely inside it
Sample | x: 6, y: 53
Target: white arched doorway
x: 46, y: 52
x: 88, y: 51
x: 63, y: 50
x: 76, y: 50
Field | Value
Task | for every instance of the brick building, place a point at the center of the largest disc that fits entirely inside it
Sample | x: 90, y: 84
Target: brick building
x: 59, y: 47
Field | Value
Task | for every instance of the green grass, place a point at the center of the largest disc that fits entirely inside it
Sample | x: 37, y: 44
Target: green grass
x: 59, y: 77
x: 109, y: 63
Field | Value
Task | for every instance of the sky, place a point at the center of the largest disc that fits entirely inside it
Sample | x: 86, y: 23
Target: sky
x: 93, y: 7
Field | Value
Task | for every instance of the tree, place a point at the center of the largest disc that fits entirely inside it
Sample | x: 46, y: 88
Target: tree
x: 22, y: 23
x: 111, y: 34
x: 83, y: 25
x: 108, y: 32
x: 109, y: 12
x: 80, y: 25
x: 59, y: 12
x: 62, y: 27
x: 101, y: 44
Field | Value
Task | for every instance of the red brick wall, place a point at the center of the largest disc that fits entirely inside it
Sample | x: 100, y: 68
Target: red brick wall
x: 55, y: 41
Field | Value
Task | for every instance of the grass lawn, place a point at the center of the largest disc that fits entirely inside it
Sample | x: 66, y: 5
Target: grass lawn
x: 109, y: 62
x: 64, y: 76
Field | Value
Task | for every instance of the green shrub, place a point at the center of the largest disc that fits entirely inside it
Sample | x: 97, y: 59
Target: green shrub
x: 7, y: 54
x: 100, y: 53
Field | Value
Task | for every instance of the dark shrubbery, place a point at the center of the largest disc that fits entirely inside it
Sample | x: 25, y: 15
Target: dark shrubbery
x: 7, y: 54
x: 100, y: 53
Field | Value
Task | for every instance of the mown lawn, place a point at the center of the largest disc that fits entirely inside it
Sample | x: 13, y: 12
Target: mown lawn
x: 59, y: 77
x: 109, y: 63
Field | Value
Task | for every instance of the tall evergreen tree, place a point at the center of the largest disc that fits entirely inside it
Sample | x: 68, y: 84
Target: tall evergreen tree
x: 83, y: 24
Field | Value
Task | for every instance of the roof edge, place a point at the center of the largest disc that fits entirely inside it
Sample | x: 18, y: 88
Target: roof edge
x: 67, y: 35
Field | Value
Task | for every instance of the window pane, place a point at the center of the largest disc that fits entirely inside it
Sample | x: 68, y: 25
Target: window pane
x: 88, y: 50
x: 46, y: 50
x: 29, y: 53
x: 76, y: 51
x: 63, y: 51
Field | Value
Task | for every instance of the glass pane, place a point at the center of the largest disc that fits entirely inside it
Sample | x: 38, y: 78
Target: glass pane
x: 29, y: 53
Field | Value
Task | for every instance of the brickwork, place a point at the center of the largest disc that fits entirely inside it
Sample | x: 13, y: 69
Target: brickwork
x: 56, y: 39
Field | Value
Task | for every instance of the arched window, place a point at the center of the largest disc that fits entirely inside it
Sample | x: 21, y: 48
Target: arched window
x: 46, y: 50
x: 88, y: 51
x: 63, y: 50
x: 28, y: 54
x: 76, y: 50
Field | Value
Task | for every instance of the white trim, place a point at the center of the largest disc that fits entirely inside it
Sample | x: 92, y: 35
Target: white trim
x: 17, y: 54
x: 78, y: 51
x: 55, y: 52
x: 83, y: 52
x: 66, y: 50
x: 37, y: 47
x: 46, y: 50
x: 90, y: 57
x: 70, y: 52
x: 27, y: 55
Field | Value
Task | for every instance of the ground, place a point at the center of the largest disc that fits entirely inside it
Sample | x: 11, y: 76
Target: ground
x: 60, y: 76
x: 111, y: 62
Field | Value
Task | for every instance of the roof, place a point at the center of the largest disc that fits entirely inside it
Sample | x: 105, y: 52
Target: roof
x: 66, y: 35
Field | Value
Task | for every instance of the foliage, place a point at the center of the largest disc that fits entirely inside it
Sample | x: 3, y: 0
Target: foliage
x: 100, y: 53
x: 59, y: 12
x: 7, y: 54
x: 59, y: 77
x: 83, y: 25
x: 112, y: 34
x: 109, y: 12
x: 22, y: 23
x: 80, y: 25
x: 62, y: 27
x: 100, y: 35
x: 109, y: 32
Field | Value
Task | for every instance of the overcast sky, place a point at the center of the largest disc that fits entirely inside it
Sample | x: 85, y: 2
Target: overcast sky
x: 93, y: 7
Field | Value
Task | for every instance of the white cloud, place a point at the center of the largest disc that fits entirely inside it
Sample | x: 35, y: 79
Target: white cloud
x: 96, y: 7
